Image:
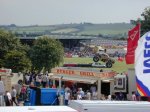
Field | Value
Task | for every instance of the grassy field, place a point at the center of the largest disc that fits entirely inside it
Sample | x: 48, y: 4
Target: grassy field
x: 86, y: 29
x: 119, y: 67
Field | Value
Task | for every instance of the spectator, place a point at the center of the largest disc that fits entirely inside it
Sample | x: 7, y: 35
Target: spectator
x: 23, y: 92
x: 79, y: 97
x: 82, y: 93
x: 14, y: 94
x: 44, y: 80
x: 38, y: 81
x: 67, y: 97
x: 134, y: 96
x: 109, y: 98
x: 88, y: 95
x: 94, y: 95
x: 121, y: 96
x: 27, y: 77
x: 8, y: 98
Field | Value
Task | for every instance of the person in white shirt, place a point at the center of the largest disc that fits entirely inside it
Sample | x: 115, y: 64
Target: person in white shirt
x: 67, y: 97
x: 88, y: 95
x: 8, y: 99
x: 79, y: 97
x: 14, y: 94
x: 109, y: 98
x: 134, y: 96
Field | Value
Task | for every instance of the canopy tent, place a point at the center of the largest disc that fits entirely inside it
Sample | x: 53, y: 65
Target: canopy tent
x: 84, y: 76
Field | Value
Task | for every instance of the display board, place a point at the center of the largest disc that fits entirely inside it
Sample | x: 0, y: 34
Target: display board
x: 2, y: 89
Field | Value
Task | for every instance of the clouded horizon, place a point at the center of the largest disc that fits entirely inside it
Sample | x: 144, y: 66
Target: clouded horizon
x: 49, y: 12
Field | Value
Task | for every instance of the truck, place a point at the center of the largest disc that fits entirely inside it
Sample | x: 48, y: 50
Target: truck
x: 104, y: 57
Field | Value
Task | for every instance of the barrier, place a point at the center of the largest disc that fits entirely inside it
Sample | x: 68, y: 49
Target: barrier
x: 49, y: 96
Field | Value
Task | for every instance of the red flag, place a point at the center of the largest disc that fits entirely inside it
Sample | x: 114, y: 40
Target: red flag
x: 133, y: 37
x: 129, y: 58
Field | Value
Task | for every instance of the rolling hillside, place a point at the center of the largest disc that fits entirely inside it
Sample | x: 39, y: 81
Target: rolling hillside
x: 73, y: 29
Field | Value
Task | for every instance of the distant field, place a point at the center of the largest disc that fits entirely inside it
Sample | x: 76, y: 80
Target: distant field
x: 104, y: 32
x: 119, y: 67
x: 67, y: 30
x: 86, y: 29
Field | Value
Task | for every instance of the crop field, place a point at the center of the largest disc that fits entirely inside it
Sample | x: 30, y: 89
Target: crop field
x: 119, y: 67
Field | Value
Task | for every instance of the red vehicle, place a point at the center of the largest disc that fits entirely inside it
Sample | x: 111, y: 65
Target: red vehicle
x: 70, y: 65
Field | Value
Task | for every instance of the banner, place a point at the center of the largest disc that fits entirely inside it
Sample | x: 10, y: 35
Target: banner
x: 133, y: 37
x: 142, y: 65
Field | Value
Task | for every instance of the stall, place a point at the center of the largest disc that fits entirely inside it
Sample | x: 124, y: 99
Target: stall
x: 6, y: 76
x: 82, y: 76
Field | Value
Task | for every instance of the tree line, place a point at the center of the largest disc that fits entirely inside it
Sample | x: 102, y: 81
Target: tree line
x: 45, y: 54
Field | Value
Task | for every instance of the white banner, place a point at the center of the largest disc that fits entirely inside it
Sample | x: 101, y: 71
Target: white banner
x: 142, y: 65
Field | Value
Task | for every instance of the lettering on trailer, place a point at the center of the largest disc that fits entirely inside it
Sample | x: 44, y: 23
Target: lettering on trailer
x: 89, y: 74
x: 146, y: 62
x: 68, y: 72
x: 2, y: 71
x: 85, y: 73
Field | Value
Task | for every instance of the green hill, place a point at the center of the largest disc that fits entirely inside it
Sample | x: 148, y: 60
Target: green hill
x: 73, y: 29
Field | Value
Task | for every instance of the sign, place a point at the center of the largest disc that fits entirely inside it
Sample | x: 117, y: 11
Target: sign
x: 120, y: 82
x: 142, y: 65
x: 5, y: 71
x: 102, y: 75
x: 2, y: 90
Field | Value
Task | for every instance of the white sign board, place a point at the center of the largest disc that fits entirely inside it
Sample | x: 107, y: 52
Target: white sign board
x: 2, y: 90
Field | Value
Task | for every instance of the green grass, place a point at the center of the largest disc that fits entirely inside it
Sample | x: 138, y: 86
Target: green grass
x: 65, y: 30
x: 105, y: 31
x: 119, y: 67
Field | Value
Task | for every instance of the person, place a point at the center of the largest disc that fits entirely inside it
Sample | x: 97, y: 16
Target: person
x: 79, y: 97
x: 27, y: 77
x: 109, y: 98
x: 103, y: 97
x: 38, y: 82
x: 44, y: 80
x: 101, y: 70
x: 94, y: 95
x: 113, y: 96
x: 8, y: 98
x: 67, y: 97
x: 82, y: 93
x: 23, y: 92
x: 121, y: 96
x: 14, y: 94
x: 88, y: 95
x: 133, y: 96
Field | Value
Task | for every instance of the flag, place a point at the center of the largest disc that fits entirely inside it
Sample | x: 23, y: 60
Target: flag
x: 129, y: 58
x: 142, y: 65
x: 133, y: 37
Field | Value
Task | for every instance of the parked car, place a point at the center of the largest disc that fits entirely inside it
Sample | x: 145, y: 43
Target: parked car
x: 98, y: 65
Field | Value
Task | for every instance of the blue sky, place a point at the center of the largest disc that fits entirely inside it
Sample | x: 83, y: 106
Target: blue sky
x: 48, y: 12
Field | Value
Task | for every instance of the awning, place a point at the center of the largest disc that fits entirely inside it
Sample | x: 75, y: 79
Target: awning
x: 74, y: 79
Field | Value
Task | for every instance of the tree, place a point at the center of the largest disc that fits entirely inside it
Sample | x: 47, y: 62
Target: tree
x: 17, y: 61
x: 145, y: 21
x: 8, y: 44
x: 46, y: 53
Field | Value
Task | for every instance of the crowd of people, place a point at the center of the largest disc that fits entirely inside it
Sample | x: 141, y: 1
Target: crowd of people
x: 92, y: 94
x: 72, y: 92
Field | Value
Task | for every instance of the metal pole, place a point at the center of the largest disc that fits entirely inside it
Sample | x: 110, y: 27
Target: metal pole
x: 60, y: 95
x: 99, y: 88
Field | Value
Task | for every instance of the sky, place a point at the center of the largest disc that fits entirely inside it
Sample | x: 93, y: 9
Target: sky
x: 50, y: 12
